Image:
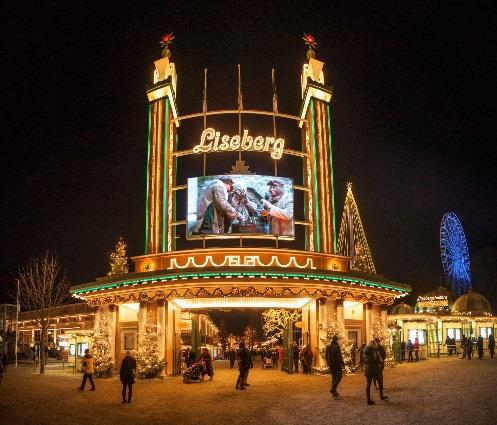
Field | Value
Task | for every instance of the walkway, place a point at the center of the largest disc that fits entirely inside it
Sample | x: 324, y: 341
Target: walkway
x: 434, y: 391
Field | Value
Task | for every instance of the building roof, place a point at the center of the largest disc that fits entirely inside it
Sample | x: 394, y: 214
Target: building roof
x: 472, y: 304
x: 401, y: 308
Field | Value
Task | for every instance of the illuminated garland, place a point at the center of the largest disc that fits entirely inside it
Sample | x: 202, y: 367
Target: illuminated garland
x: 241, y: 274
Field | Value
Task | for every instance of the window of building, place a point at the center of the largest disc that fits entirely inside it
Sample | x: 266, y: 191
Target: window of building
x: 454, y: 333
x: 485, y: 332
x: 417, y: 333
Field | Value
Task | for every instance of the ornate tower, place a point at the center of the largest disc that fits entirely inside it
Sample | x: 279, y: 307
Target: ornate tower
x: 161, y: 173
x: 317, y: 143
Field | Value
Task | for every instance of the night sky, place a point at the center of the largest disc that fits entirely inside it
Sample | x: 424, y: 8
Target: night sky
x: 413, y: 117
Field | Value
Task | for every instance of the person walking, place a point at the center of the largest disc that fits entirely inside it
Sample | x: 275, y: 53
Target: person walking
x: 464, y: 341
x: 372, y: 369
x: 244, y: 364
x: 307, y: 358
x: 280, y: 356
x: 295, y: 356
x: 127, y: 375
x: 479, y: 347
x: 469, y: 347
x: 410, y: 348
x: 383, y: 356
x: 274, y: 357
x: 416, y: 348
x: 491, y: 345
x: 335, y: 363
x: 206, y: 357
x: 88, y: 371
x: 232, y: 357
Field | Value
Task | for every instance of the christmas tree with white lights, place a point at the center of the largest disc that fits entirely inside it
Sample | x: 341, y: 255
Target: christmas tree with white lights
x: 148, y: 362
x: 100, y: 346
x: 346, y: 347
x: 118, y: 259
x: 380, y: 332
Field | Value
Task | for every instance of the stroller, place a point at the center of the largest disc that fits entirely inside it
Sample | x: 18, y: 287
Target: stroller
x: 195, y: 372
x: 268, y: 363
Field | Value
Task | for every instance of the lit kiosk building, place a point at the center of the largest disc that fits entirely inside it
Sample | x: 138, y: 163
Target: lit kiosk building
x: 224, y: 232
x: 440, y: 314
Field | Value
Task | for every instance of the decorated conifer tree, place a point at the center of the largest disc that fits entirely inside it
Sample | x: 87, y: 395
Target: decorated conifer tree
x: 118, y: 259
x: 380, y: 331
x: 249, y: 336
x: 100, y: 346
x: 359, y: 261
x: 346, y: 347
x: 148, y: 362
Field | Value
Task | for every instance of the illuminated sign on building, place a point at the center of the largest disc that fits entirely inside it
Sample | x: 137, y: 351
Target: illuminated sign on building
x: 241, y: 261
x: 211, y: 141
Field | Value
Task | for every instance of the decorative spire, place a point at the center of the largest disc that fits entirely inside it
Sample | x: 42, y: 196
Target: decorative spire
x: 352, y: 241
x: 310, y: 41
x: 166, y: 39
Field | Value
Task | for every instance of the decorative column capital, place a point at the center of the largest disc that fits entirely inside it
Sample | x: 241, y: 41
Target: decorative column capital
x: 369, y: 306
x: 161, y: 302
x: 339, y: 302
x: 112, y: 308
x: 143, y: 304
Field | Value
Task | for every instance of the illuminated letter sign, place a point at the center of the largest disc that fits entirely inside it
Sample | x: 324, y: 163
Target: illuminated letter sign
x: 211, y: 141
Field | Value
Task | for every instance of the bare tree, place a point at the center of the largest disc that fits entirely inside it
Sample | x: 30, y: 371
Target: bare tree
x: 42, y: 287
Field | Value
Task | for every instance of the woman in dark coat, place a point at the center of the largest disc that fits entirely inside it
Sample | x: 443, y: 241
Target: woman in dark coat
x: 372, y: 369
x: 206, y: 357
x: 127, y: 375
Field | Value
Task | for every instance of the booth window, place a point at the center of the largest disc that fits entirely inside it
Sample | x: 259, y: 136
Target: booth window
x: 485, y: 332
x: 417, y: 333
x: 454, y: 333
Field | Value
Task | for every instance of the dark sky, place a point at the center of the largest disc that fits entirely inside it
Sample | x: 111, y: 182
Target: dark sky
x: 413, y: 117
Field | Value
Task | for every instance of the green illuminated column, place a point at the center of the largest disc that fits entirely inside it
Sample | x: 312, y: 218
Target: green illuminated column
x: 161, y: 172
x: 317, y: 142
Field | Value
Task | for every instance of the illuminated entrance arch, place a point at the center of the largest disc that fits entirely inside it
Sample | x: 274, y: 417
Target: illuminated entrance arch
x: 181, y: 270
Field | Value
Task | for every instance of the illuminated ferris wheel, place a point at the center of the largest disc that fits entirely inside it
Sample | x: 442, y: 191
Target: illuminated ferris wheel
x: 454, y: 252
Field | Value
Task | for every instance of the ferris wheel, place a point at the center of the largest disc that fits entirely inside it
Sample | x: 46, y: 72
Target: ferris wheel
x: 454, y: 252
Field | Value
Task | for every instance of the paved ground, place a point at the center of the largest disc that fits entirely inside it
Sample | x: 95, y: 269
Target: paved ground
x: 446, y: 391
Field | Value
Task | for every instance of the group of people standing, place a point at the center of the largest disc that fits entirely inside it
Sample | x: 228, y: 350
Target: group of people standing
x: 468, y: 343
x: 373, y: 358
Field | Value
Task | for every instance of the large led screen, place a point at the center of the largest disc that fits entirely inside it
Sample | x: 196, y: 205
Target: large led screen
x: 233, y: 204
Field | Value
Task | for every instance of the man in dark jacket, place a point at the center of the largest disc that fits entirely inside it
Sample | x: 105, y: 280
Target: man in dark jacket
x: 335, y: 363
x: 127, y: 375
x: 244, y: 364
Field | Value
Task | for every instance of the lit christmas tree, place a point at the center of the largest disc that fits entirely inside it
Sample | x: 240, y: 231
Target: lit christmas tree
x: 249, y: 335
x: 360, y: 259
x: 148, y: 362
x: 118, y: 259
x: 100, y: 346
x: 380, y: 331
x: 346, y: 347
x: 232, y: 341
x: 352, y: 241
